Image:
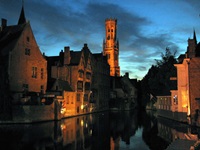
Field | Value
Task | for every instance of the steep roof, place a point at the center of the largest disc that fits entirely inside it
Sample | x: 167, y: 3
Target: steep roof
x: 9, y: 37
x: 75, y: 57
x: 10, y: 34
x: 63, y: 85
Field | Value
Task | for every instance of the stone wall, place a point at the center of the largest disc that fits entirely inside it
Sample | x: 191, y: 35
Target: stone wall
x: 178, y: 116
x: 35, y: 113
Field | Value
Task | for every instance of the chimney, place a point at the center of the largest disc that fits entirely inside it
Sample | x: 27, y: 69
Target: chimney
x: 127, y: 74
x: 3, y: 23
x: 67, y: 55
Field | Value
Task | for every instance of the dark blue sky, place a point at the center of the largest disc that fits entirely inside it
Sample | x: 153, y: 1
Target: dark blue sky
x: 145, y: 28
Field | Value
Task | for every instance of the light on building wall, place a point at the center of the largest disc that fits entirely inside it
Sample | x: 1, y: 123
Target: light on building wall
x: 175, y: 99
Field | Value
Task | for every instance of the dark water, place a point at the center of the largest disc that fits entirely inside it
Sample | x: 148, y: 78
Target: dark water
x: 99, y: 131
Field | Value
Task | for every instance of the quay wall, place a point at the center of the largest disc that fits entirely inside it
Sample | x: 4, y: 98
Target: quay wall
x: 178, y: 116
x: 34, y: 113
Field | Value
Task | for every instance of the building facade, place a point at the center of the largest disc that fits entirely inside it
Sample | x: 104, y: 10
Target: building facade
x: 26, y: 66
x: 111, y: 46
x: 100, y: 82
x: 186, y: 98
x: 73, y: 67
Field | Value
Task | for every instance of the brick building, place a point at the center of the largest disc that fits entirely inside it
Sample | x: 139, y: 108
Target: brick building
x: 73, y: 68
x: 111, y: 46
x: 25, y: 65
x: 100, y: 82
x: 186, y: 98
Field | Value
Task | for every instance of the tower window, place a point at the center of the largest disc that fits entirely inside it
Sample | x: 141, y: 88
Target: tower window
x: 108, y: 30
x: 111, y: 30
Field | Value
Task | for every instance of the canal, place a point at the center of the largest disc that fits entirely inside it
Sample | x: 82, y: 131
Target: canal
x: 129, y: 130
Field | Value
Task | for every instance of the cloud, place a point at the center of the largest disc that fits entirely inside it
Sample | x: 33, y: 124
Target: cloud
x: 142, y: 34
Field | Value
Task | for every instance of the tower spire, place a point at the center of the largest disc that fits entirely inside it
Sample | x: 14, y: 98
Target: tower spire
x: 194, y: 37
x: 22, y: 18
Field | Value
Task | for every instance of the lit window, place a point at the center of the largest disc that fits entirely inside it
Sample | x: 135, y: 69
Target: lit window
x: 175, y: 100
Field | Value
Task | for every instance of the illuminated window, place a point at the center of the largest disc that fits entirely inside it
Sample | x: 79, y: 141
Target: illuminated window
x: 108, y: 56
x: 175, y: 100
x: 27, y: 51
x: 34, y: 72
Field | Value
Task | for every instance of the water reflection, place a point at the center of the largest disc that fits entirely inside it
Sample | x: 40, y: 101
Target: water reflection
x: 99, y: 131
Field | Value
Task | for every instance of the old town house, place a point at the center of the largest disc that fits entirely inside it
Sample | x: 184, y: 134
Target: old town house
x: 26, y: 67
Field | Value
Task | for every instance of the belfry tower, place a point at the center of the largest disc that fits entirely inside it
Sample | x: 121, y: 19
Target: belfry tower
x: 111, y: 46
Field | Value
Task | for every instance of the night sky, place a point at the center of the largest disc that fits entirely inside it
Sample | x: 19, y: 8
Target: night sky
x: 145, y: 27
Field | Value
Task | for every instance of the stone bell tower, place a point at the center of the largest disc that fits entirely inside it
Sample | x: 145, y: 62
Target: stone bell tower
x: 111, y: 46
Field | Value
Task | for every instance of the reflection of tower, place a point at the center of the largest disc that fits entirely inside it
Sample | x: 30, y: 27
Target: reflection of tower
x: 111, y: 46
